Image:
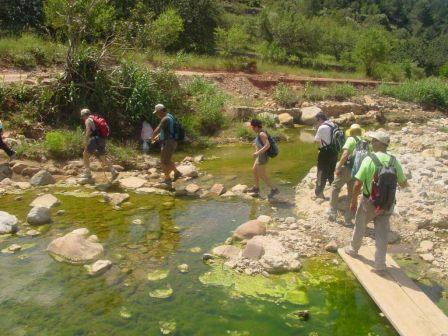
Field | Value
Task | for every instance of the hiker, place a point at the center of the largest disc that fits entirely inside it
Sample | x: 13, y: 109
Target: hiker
x: 377, y: 177
x: 4, y: 146
x: 166, y: 133
x: 97, y: 131
x: 262, y: 146
x: 343, y: 173
x: 146, y: 135
x: 327, y: 157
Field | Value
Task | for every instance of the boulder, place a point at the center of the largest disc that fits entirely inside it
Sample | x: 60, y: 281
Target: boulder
x: 22, y: 185
x: 240, y: 188
x: 18, y: 167
x: 285, y: 119
x: 264, y: 219
x: 45, y: 201
x: 425, y: 246
x: 8, y: 223
x: 42, y: 178
x: 5, y: 171
x: 98, y: 267
x: 335, y: 109
x: 249, y: 229
x: 188, y: 171
x: 332, y: 247
x: 132, y: 182
x: 226, y: 251
x: 192, y: 188
x: 39, y: 216
x: 308, y: 116
x: 428, y: 257
x: 116, y: 198
x: 75, y: 248
x: 253, y: 250
x: 217, y: 189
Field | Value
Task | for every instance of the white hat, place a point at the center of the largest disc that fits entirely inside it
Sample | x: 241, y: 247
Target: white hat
x: 85, y: 111
x: 380, y: 136
x: 158, y: 108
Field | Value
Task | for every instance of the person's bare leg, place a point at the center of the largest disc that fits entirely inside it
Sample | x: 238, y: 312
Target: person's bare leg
x: 264, y: 177
x: 256, y: 176
x: 106, y: 163
x: 166, y: 171
x: 86, y: 161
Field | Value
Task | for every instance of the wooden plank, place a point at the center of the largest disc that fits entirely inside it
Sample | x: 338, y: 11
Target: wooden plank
x: 408, y: 309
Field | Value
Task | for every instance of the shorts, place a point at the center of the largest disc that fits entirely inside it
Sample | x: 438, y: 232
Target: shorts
x: 262, y: 159
x: 168, y: 148
x: 97, y: 146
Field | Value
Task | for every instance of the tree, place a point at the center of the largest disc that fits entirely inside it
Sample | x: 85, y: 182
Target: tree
x: 372, y: 48
x: 232, y: 41
x: 19, y: 15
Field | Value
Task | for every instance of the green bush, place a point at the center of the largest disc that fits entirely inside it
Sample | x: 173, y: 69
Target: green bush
x: 64, y: 145
x: 313, y: 92
x: 341, y: 92
x: 431, y: 92
x: 372, y: 48
x: 232, y: 41
x: 443, y: 71
x: 285, y: 96
x: 244, y: 133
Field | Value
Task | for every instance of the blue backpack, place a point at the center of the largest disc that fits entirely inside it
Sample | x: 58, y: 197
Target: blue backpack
x: 176, y: 129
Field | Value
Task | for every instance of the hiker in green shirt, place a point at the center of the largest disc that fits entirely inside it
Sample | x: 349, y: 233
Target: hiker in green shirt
x: 343, y: 174
x: 367, y: 210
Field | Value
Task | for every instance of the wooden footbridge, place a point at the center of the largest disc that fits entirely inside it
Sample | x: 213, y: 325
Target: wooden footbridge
x: 408, y: 309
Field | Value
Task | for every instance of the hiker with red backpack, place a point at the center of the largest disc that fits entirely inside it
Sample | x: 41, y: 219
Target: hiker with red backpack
x: 97, y: 132
x: 377, y: 177
x: 331, y: 140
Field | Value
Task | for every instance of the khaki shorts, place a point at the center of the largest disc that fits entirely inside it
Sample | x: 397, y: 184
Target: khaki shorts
x: 97, y: 146
x: 262, y: 159
x: 168, y: 148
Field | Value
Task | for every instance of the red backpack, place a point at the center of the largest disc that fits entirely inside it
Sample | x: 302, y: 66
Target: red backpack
x: 101, y: 126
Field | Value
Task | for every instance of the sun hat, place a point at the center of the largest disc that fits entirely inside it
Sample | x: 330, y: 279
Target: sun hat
x: 348, y: 133
x: 158, y: 108
x: 85, y: 111
x: 380, y: 136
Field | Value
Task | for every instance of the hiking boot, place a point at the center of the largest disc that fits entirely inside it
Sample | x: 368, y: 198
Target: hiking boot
x: 320, y: 196
x: 114, y: 175
x: 253, y: 190
x: 351, y: 252
x: 274, y: 191
x: 332, y: 214
x: 12, y: 157
x: 177, y: 175
x: 381, y: 271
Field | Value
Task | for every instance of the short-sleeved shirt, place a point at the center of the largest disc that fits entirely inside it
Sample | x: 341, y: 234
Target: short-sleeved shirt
x: 350, y: 144
x: 323, y: 135
x: 367, y: 171
x: 166, y: 128
x: 90, y: 125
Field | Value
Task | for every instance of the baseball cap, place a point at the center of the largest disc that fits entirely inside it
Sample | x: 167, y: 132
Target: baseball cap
x: 381, y: 136
x: 85, y: 111
x: 158, y: 108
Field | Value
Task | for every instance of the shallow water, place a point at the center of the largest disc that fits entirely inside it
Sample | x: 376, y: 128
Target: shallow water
x: 39, y: 296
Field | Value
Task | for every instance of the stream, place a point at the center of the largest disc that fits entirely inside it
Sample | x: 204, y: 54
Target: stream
x: 39, y: 296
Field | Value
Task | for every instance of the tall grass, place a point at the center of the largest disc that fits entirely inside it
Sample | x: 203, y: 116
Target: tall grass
x: 339, y: 92
x: 285, y: 96
x: 29, y: 51
x: 430, y: 92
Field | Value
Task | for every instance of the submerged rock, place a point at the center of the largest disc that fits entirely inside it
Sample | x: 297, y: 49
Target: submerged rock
x: 42, y: 178
x: 183, y: 268
x: 162, y: 293
x: 45, y: 201
x: 98, y: 267
x: 75, y: 248
x: 250, y: 229
x: 12, y: 249
x: 157, y: 275
x: 8, y: 223
x: 39, y: 216
x: 132, y: 182
x: 167, y: 327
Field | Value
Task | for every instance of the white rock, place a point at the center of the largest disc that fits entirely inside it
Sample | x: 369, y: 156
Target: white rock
x: 116, y: 198
x: 428, y: 257
x: 98, y: 267
x: 8, y: 223
x: 45, y: 201
x: 264, y: 219
x: 425, y: 246
x: 132, y: 182
x: 188, y: 171
x: 240, y: 188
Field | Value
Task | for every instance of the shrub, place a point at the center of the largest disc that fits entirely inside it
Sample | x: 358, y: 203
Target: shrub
x: 341, y: 92
x: 372, y: 47
x: 244, y: 133
x: 272, y: 52
x: 232, y: 41
x: 240, y: 64
x: 64, y: 145
x: 443, y: 71
x: 284, y: 96
x: 432, y: 92
x: 313, y: 93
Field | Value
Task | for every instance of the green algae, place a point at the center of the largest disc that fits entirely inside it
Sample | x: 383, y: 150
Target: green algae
x: 167, y: 327
x: 162, y: 293
x: 157, y: 275
x: 279, y: 288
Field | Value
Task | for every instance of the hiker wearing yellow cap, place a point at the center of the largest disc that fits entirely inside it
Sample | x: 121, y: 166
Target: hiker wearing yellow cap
x: 343, y: 173
x: 378, y: 177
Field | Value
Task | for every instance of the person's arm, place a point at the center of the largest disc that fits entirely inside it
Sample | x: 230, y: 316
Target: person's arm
x: 155, y: 135
x: 355, y: 194
x: 88, y: 131
x: 342, y: 161
x: 318, y: 137
x: 265, y: 142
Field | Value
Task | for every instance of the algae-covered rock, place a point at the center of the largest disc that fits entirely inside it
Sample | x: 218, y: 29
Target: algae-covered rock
x: 125, y: 313
x: 167, y: 327
x: 162, y: 293
x: 157, y: 275
x: 282, y: 288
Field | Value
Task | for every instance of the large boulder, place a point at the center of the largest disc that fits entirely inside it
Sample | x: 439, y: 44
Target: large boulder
x: 5, y: 171
x: 188, y: 171
x: 254, y: 250
x: 116, y: 198
x: 286, y: 120
x: 335, y: 109
x: 42, y: 178
x: 45, y: 201
x: 39, y: 216
x: 308, y: 116
x: 217, y: 189
x: 8, y: 223
x: 132, y: 182
x: 75, y: 248
x: 226, y: 251
x: 249, y: 229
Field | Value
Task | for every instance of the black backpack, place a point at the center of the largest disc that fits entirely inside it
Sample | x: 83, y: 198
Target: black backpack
x: 384, y: 186
x: 337, y: 138
x: 273, y: 147
x: 177, y: 131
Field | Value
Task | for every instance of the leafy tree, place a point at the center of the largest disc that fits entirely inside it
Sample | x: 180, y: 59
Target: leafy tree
x: 372, y: 48
x: 19, y: 15
x: 232, y: 41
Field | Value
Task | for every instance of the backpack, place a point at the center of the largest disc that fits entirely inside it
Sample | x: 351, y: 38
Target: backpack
x: 384, y: 186
x: 337, y: 138
x: 176, y: 129
x: 273, y: 147
x: 102, y: 128
x: 360, y: 152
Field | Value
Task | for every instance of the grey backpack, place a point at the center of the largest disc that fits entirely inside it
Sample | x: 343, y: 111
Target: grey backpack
x: 360, y: 152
